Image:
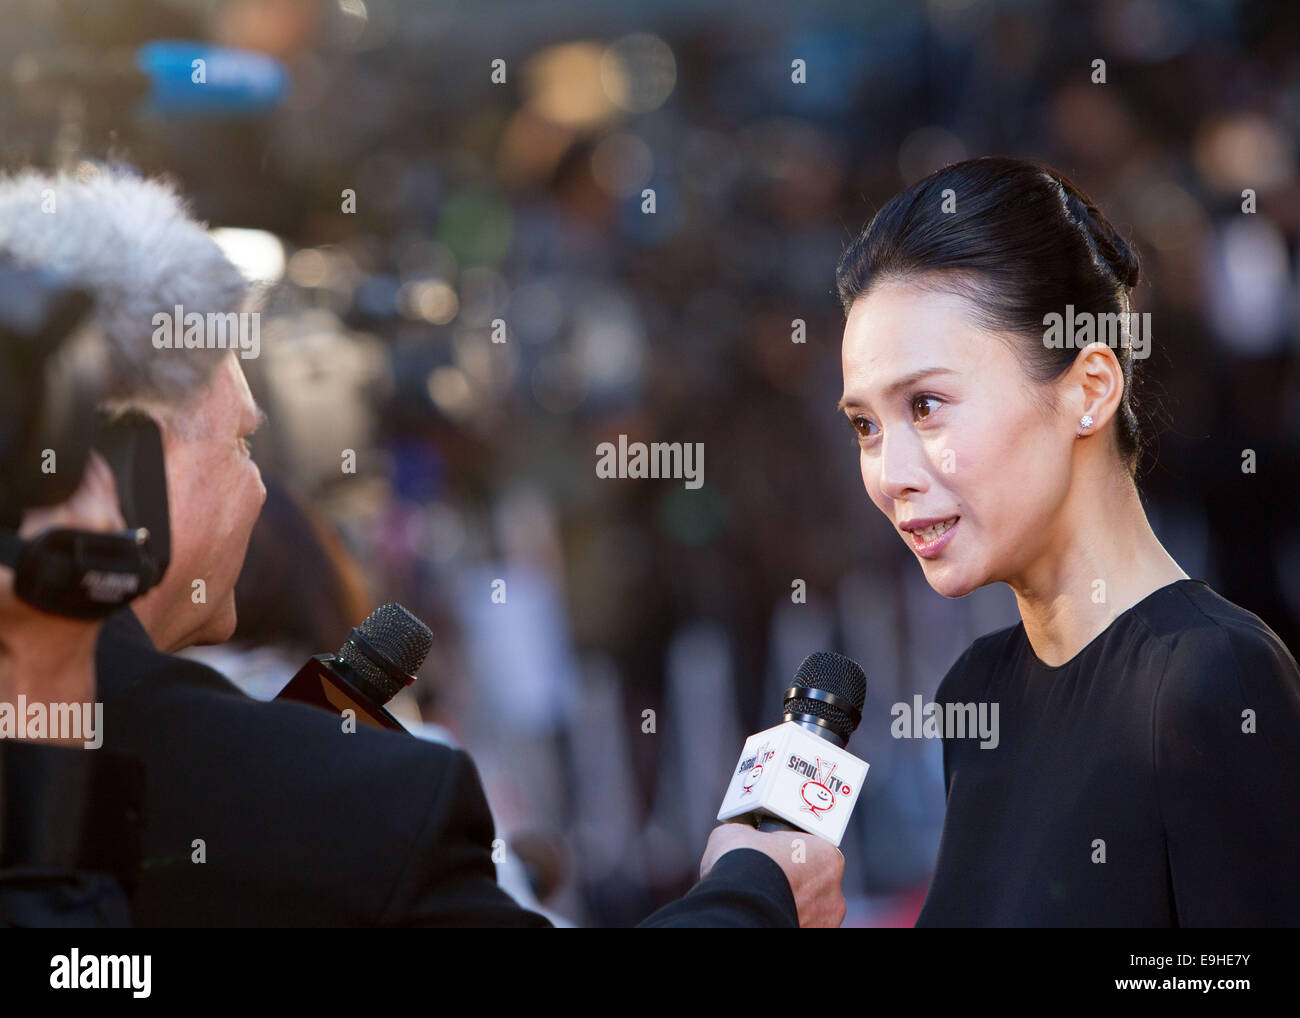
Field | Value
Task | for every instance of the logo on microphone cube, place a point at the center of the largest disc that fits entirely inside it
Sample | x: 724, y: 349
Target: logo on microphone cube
x: 816, y: 794
x: 753, y: 766
x: 791, y: 773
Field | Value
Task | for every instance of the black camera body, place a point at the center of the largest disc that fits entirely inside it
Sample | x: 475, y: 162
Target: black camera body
x: 53, y: 376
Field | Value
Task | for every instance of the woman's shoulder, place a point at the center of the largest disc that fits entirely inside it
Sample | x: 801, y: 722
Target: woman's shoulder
x: 1199, y: 624
x: 1217, y: 651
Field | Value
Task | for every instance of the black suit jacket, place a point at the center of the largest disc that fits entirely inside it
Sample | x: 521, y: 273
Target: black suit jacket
x: 302, y: 824
x: 69, y: 826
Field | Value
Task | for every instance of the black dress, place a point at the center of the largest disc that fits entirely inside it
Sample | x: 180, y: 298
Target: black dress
x: 1151, y: 780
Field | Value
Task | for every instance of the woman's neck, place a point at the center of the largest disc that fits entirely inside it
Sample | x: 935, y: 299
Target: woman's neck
x: 1104, y: 558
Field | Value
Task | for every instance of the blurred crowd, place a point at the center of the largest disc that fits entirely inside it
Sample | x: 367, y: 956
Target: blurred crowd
x: 491, y: 236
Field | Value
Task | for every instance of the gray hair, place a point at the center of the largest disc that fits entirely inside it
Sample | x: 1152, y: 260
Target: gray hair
x: 131, y: 242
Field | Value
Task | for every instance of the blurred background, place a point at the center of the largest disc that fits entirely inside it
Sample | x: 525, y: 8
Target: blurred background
x: 408, y: 181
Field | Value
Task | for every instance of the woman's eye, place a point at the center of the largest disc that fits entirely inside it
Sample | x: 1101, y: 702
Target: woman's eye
x: 862, y: 426
x: 922, y: 408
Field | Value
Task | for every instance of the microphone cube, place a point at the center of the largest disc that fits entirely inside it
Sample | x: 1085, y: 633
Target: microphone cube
x: 790, y: 773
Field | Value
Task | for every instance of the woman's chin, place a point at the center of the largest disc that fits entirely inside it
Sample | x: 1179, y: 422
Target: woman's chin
x: 950, y: 580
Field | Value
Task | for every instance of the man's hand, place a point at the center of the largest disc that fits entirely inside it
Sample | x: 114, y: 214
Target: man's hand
x: 814, y: 867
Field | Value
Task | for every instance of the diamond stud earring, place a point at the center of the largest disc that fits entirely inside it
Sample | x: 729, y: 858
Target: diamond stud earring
x: 1085, y: 422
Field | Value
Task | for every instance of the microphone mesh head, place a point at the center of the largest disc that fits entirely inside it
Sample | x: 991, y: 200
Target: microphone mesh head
x: 399, y: 637
x: 831, y: 673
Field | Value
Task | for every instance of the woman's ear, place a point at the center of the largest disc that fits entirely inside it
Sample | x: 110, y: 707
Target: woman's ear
x: 1094, y: 387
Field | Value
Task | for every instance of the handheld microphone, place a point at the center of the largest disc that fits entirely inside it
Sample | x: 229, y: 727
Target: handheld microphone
x: 379, y: 659
x: 798, y: 776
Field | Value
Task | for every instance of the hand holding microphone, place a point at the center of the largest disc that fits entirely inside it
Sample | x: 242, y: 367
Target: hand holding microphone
x: 379, y: 659
x: 813, y: 866
x: 796, y: 779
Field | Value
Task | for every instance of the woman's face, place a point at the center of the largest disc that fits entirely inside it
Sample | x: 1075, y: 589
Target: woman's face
x: 966, y: 465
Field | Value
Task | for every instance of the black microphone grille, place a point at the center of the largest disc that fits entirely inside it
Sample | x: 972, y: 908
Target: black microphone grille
x: 834, y: 673
x: 393, y: 644
x: 837, y: 675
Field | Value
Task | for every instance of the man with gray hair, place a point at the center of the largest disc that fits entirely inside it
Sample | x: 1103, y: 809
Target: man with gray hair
x: 273, y: 813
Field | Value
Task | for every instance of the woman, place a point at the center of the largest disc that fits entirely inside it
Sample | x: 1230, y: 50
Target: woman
x: 1147, y: 765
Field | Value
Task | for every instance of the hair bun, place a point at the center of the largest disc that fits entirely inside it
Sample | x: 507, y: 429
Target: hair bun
x: 1111, y: 249
x: 1128, y: 268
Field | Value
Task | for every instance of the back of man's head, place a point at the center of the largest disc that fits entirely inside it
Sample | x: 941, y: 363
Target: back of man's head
x: 130, y: 242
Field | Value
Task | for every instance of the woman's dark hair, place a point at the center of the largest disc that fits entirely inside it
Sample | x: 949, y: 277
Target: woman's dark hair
x: 299, y: 589
x: 1019, y: 241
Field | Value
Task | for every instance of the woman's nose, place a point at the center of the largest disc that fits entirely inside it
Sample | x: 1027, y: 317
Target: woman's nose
x: 903, y: 468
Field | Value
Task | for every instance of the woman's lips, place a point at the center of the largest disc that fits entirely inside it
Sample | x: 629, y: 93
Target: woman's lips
x: 931, y: 540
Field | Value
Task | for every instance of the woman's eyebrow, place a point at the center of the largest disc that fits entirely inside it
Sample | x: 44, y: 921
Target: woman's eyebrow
x: 906, y: 382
